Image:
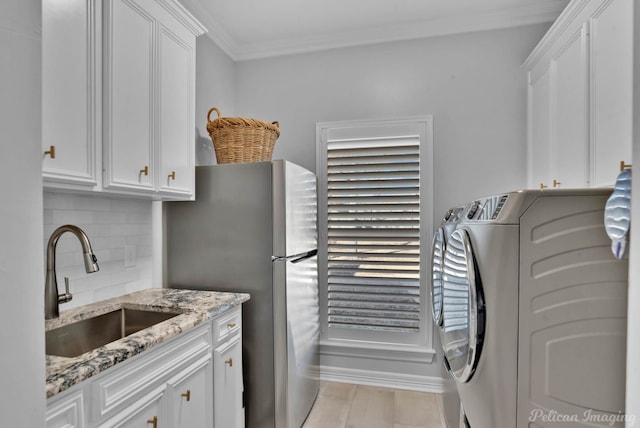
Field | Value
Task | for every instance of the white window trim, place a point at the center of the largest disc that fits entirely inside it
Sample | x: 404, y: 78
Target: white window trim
x: 424, y: 351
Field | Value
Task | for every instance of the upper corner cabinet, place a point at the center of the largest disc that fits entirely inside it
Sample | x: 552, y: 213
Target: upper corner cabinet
x: 149, y: 98
x: 579, y: 96
x: 70, y: 94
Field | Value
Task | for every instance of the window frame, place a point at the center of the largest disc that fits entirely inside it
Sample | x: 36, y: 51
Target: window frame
x: 421, y: 345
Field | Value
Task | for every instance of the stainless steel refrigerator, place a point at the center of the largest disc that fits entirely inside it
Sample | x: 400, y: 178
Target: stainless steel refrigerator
x: 252, y: 229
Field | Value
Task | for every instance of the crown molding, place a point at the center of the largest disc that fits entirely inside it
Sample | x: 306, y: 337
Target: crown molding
x: 214, y: 30
x: 179, y: 12
x: 499, y: 19
x: 566, y: 18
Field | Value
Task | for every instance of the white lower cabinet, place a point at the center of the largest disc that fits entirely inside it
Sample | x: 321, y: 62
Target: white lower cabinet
x: 66, y: 412
x: 188, y: 382
x: 228, y: 408
x: 148, y: 412
x: 190, y: 395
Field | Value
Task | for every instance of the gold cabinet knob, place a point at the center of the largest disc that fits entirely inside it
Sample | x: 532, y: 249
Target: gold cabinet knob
x: 186, y: 395
x: 622, y: 165
x: 543, y: 186
x: 556, y: 183
x: 153, y: 422
x: 230, y: 362
x: 231, y: 325
x: 51, y: 152
x: 145, y: 170
x: 172, y: 175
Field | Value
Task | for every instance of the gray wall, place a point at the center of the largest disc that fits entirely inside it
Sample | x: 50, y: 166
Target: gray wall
x: 22, y: 363
x: 215, y: 87
x: 472, y: 84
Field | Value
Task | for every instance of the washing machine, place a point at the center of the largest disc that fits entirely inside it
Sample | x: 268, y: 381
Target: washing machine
x: 449, y: 400
x: 534, y: 311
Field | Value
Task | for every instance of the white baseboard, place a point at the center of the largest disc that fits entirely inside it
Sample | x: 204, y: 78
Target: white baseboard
x: 382, y: 379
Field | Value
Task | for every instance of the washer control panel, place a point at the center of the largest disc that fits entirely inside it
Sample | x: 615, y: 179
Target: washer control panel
x: 486, y: 209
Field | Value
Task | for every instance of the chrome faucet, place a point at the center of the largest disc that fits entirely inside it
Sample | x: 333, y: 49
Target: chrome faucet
x: 51, y: 297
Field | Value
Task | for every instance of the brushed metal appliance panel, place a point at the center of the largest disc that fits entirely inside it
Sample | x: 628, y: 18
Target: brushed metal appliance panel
x: 223, y: 241
x: 295, y: 209
x: 297, y: 332
x: 243, y: 215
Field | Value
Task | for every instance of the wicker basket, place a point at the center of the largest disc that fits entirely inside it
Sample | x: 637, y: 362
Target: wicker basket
x: 237, y: 139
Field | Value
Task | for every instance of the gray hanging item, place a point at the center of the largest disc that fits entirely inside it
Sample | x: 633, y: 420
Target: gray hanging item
x: 617, y: 214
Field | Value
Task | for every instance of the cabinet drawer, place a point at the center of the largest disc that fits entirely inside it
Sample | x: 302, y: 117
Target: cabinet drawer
x: 66, y: 412
x: 111, y: 393
x: 228, y: 325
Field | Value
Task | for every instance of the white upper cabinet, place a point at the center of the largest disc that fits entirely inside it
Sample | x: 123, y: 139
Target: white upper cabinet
x: 569, y: 111
x: 611, y: 89
x: 149, y: 108
x: 176, y: 114
x: 70, y: 94
x: 539, y: 136
x: 122, y: 118
x: 128, y: 103
x: 579, y: 96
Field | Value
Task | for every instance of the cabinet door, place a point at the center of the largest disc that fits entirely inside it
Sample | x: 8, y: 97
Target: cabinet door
x: 611, y: 99
x: 539, y: 127
x: 228, y: 408
x: 176, y: 106
x: 69, y: 91
x: 129, y: 96
x: 146, y: 413
x: 192, y: 396
x: 569, y: 111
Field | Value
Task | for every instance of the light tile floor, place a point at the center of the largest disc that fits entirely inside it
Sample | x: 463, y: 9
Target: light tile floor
x: 341, y: 405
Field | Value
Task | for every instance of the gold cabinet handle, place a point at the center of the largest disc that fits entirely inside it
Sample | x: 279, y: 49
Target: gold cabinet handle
x: 186, y: 395
x: 622, y: 165
x: 556, y: 183
x: 153, y: 421
x: 230, y: 362
x: 172, y: 175
x: 542, y: 186
x: 145, y: 171
x: 231, y: 325
x: 51, y: 152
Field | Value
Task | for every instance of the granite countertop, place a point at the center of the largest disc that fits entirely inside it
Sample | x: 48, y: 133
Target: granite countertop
x: 194, y: 307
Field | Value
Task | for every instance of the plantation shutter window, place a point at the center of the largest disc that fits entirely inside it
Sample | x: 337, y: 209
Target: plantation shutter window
x: 374, y: 233
x: 373, y: 181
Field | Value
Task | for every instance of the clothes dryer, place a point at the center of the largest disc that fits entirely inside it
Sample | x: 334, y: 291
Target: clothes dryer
x: 438, y: 247
x: 450, y: 402
x: 534, y: 311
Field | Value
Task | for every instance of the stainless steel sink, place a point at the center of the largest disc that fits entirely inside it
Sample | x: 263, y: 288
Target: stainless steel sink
x: 83, y: 336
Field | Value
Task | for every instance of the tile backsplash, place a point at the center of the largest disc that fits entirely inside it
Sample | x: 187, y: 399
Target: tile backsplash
x: 120, y: 231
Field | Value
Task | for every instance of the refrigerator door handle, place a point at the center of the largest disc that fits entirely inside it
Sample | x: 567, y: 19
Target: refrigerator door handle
x: 305, y: 256
x: 296, y: 258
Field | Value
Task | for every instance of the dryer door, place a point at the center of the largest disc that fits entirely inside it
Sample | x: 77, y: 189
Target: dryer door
x: 463, y: 307
x: 437, y: 254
